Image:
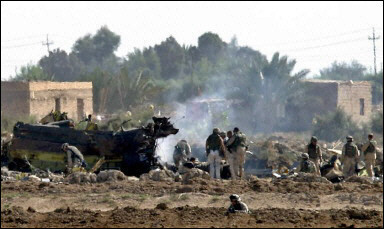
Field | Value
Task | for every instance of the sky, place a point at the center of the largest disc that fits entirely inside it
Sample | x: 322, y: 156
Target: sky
x: 315, y: 34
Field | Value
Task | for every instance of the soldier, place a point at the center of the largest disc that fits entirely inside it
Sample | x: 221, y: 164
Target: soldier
x: 182, y: 152
x: 237, y: 149
x: 350, y: 157
x: 369, y: 149
x: 91, y: 125
x: 75, y: 158
x: 306, y: 165
x: 315, y: 155
x: 237, y: 206
x: 215, y: 152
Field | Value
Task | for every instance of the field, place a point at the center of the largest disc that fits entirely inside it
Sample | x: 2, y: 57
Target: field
x: 201, y: 203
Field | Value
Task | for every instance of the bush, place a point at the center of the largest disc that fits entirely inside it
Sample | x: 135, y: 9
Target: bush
x: 377, y: 122
x: 337, y: 125
x: 8, y: 122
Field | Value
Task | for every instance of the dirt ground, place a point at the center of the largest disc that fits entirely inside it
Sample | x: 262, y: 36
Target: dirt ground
x: 202, y: 203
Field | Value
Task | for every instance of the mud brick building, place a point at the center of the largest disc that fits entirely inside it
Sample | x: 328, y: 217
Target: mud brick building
x: 354, y: 97
x: 40, y: 98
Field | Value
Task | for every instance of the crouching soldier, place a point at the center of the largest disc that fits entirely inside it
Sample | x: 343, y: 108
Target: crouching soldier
x: 350, y: 157
x: 75, y: 159
x: 237, y: 206
x: 306, y: 165
x: 182, y: 153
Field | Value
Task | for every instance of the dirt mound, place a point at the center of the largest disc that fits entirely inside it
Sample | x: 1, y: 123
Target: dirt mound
x: 187, y: 216
x: 211, y: 187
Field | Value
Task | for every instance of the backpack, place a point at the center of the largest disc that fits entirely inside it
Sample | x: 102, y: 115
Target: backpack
x: 240, y: 140
x: 371, y: 148
x: 350, y: 150
x: 305, y: 167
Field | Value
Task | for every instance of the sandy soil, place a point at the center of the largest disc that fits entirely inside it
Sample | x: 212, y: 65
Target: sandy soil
x: 274, y: 203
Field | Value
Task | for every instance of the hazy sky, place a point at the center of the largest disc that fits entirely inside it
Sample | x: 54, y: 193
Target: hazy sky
x: 313, y: 33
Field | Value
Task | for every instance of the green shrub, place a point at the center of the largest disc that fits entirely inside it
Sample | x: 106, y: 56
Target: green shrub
x: 8, y: 122
x: 337, y: 125
x: 377, y: 122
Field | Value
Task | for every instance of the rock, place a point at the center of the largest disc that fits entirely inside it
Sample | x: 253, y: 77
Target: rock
x: 5, y: 171
x: 357, y: 179
x: 162, y: 206
x: 195, y: 173
x: 178, y: 178
x: 32, y: 178
x: 133, y: 179
x: 93, y: 178
x: 184, y: 189
x: 111, y: 175
x: 30, y: 209
x: 102, y: 176
x: 308, y: 177
x: 160, y: 175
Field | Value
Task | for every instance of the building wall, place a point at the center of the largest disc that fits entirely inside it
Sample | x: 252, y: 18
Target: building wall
x: 349, y: 95
x: 14, y: 99
x: 45, y: 94
x: 39, y: 98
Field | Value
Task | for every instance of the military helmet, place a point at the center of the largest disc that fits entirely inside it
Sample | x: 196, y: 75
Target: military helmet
x: 234, y: 197
x: 216, y: 130
x: 65, y: 145
x: 305, y: 156
x: 314, y: 139
x: 349, y: 138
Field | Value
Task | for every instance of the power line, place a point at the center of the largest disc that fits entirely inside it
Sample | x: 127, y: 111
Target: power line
x: 18, y: 46
x: 22, y: 38
x: 325, y: 45
x: 319, y: 38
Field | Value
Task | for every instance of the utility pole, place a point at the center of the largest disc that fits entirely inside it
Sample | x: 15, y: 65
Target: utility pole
x: 47, y: 43
x: 374, y: 38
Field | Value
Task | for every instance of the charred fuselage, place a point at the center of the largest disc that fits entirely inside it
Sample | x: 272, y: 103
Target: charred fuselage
x: 131, y: 151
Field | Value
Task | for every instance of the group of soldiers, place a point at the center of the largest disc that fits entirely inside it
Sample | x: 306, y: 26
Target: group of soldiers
x: 351, y: 156
x: 230, y: 146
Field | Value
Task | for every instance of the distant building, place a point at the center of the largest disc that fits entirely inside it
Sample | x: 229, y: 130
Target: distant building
x: 354, y: 97
x: 39, y: 98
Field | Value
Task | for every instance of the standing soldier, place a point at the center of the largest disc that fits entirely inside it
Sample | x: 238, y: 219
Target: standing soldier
x: 369, y: 150
x: 182, y: 152
x: 350, y: 157
x: 215, y: 152
x: 237, y: 149
x: 315, y: 154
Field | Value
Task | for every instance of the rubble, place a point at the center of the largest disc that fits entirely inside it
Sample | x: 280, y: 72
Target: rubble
x: 110, y: 175
x: 193, y: 174
x: 308, y: 177
x: 158, y: 175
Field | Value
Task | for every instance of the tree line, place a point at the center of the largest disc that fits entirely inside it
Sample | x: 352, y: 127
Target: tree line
x: 169, y: 71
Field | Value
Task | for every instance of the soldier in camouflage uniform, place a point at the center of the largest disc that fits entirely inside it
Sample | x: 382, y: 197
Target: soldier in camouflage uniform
x: 350, y: 157
x: 369, y: 149
x: 182, y: 153
x: 237, y: 206
x: 306, y: 165
x: 215, y: 152
x: 315, y: 155
x: 75, y: 158
x: 237, y: 150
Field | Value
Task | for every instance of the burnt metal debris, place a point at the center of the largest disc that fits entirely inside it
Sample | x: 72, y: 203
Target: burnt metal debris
x: 131, y: 151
